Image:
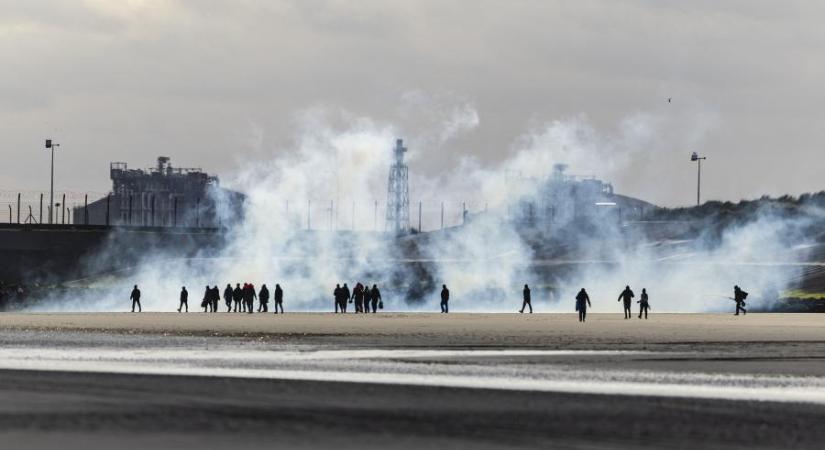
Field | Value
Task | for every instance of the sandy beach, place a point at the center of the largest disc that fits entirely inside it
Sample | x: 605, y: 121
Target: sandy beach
x: 211, y: 381
x: 421, y: 329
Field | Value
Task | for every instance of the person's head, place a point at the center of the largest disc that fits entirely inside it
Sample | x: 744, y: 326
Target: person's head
x: 237, y: 285
x: 277, y: 286
x: 525, y: 287
x: 627, y: 288
x: 644, y: 291
x: 736, y: 288
x: 183, y: 288
x: 135, y: 286
x: 338, y: 285
x: 345, y: 284
x: 375, y: 286
x: 444, y: 286
x: 263, y: 285
x: 228, y: 285
x: 582, y: 290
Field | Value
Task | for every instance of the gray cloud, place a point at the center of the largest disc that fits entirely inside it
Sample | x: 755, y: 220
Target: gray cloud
x: 219, y: 83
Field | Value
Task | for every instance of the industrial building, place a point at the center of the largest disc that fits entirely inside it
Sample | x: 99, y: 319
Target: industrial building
x: 562, y: 198
x: 162, y: 196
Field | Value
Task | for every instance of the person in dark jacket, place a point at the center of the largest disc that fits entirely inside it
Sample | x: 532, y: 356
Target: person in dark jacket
x: 278, y: 299
x: 582, y: 302
x: 644, y: 305
x: 367, y: 297
x: 358, y: 297
x: 216, y: 298
x: 345, y: 295
x: 184, y: 299
x: 228, y: 295
x: 626, y: 296
x: 263, y: 297
x: 375, y: 295
x: 739, y: 297
x: 249, y: 297
x: 206, y: 303
x: 336, y: 295
x: 525, y: 293
x: 237, y: 297
x: 135, y: 297
x: 445, y: 299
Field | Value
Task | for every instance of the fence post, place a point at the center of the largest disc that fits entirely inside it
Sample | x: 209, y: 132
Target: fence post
x: 63, y: 219
x: 41, y: 209
x: 108, y: 198
x: 18, y: 208
x: 86, y: 210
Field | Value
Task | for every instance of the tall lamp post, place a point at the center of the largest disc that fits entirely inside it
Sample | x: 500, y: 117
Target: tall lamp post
x: 695, y: 157
x: 51, y: 145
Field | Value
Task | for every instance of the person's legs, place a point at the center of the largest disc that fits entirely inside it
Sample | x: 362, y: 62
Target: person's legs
x: 530, y: 305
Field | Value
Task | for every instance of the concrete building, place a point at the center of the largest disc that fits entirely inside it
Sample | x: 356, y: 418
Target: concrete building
x: 163, y: 196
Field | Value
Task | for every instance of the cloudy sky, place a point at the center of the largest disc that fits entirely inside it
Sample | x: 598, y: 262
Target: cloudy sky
x: 222, y: 84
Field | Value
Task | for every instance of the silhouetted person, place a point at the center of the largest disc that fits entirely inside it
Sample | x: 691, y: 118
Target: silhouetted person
x: 184, y: 299
x: 278, y: 299
x: 367, y: 298
x: 263, y: 298
x: 228, y: 295
x: 582, y: 302
x: 135, y: 297
x: 739, y: 297
x: 336, y: 295
x: 345, y: 295
x: 375, y: 295
x: 237, y: 296
x: 526, y: 296
x: 626, y: 296
x: 249, y: 297
x: 216, y: 298
x: 206, y: 303
x: 644, y: 305
x: 445, y: 299
x: 358, y: 296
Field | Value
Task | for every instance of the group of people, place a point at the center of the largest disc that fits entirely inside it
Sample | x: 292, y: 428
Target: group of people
x: 239, y: 299
x: 626, y: 297
x: 362, y: 297
x: 366, y: 299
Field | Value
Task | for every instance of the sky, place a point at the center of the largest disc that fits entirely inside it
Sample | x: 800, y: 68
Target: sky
x: 224, y: 84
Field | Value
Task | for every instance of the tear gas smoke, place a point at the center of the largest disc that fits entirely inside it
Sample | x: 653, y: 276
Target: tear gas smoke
x: 336, y: 175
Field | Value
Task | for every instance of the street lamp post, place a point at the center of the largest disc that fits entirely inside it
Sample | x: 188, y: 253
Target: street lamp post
x: 51, y: 145
x: 695, y: 157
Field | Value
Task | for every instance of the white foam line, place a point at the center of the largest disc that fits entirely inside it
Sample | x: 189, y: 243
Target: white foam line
x: 800, y: 393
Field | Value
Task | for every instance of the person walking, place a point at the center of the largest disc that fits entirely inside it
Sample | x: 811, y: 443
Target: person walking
x: 644, y: 304
x: 526, y: 302
x: 582, y: 302
x: 135, y: 297
x: 336, y: 295
x: 206, y: 303
x: 345, y: 295
x: 184, y: 299
x: 626, y: 296
x: 227, y: 297
x: 237, y: 297
x: 375, y: 295
x: 739, y: 297
x: 216, y: 298
x: 445, y: 299
x: 278, y: 299
x: 263, y: 297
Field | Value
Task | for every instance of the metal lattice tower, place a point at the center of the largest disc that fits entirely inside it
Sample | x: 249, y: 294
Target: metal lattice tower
x: 398, y: 192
